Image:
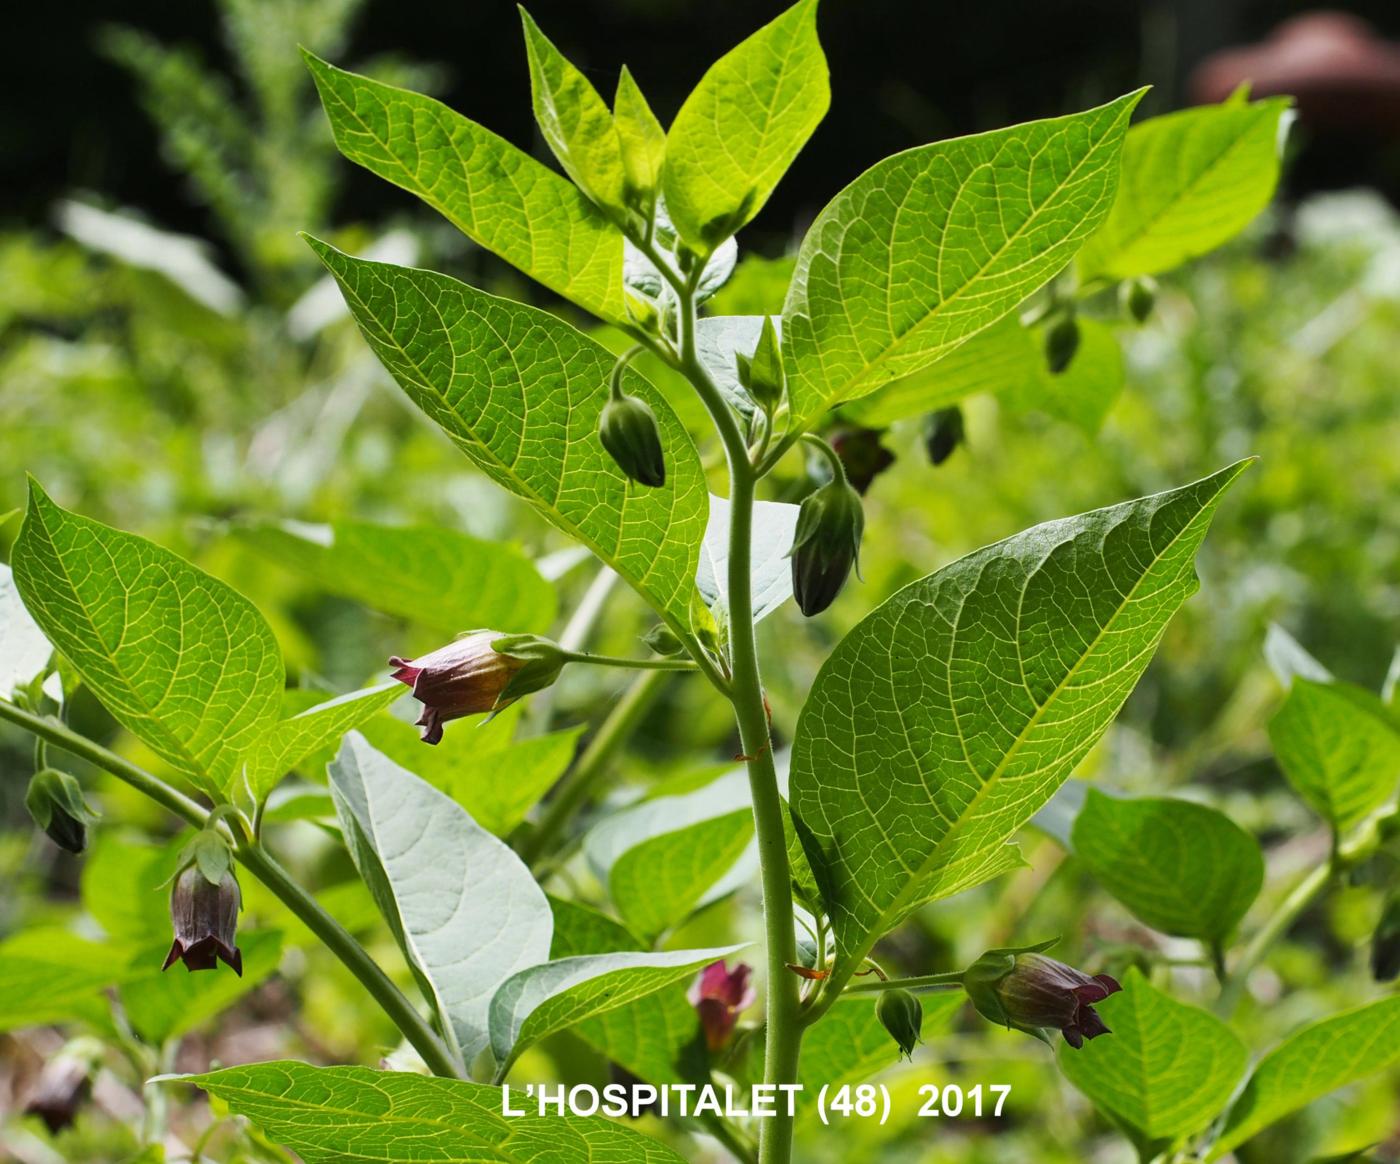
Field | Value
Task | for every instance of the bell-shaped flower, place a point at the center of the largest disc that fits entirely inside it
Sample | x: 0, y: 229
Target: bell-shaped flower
x: 1022, y: 988
x: 718, y: 995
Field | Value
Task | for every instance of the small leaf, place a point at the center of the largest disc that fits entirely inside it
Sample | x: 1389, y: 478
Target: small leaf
x: 643, y: 137
x: 432, y: 576
x: 24, y: 651
x: 554, y: 996
x: 181, y: 660
x: 1339, y: 746
x: 1312, y: 1062
x: 520, y: 392
x: 740, y: 129
x: 948, y: 716
x: 774, y: 524
x: 500, y: 197
x: 905, y: 263
x: 464, y: 908
x: 1180, y: 867
x: 1166, y: 1070
x: 316, y: 729
x: 574, y: 120
x: 1289, y: 659
x: 1191, y: 181
x: 352, y: 1115
x: 718, y: 340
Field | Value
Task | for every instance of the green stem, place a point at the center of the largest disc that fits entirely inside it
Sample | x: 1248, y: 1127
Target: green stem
x: 261, y: 865
x: 631, y: 664
x: 952, y: 978
x: 1280, y: 921
x: 582, y: 779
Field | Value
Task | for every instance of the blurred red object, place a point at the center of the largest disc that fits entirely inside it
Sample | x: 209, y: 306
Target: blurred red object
x: 1342, y: 74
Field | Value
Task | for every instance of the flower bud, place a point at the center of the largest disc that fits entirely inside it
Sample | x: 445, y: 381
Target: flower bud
x: 862, y: 455
x: 718, y: 996
x: 482, y: 671
x: 1137, y: 298
x: 1021, y: 988
x: 661, y: 640
x: 1385, y: 945
x: 204, y: 911
x: 629, y: 432
x: 943, y: 433
x: 55, y: 801
x: 902, y: 1014
x: 1061, y: 342
x: 826, y: 544
x: 762, y: 373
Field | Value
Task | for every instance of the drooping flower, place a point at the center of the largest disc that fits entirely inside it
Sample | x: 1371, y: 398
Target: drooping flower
x: 862, y: 455
x: 205, y: 916
x: 628, y: 431
x: 718, y: 995
x: 55, y: 801
x: 1022, y: 988
x: 826, y: 543
x: 480, y: 672
x: 902, y: 1014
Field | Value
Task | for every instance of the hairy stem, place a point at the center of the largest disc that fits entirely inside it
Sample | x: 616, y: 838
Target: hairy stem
x: 952, y: 978
x: 631, y: 664
x: 261, y: 865
x: 582, y: 779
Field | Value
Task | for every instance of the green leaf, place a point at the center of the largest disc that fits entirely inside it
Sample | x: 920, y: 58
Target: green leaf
x: 740, y: 129
x: 1083, y: 393
x: 574, y: 120
x: 1288, y: 659
x: 432, y: 576
x: 1191, y: 181
x: 180, y: 659
x: 905, y: 263
x: 554, y: 996
x: 770, y: 574
x: 463, y: 906
x: 658, y: 883
x: 1312, y: 1062
x: 471, y: 774
x: 643, y: 138
x: 50, y: 975
x: 718, y: 339
x: 850, y: 1044
x: 24, y: 652
x: 1181, y: 868
x: 1166, y: 1070
x: 494, y: 193
x: 520, y: 392
x: 352, y: 1115
x: 953, y: 712
x: 320, y: 727
x: 1339, y: 746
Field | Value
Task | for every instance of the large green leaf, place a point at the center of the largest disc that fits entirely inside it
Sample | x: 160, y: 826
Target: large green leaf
x: 352, y: 1115
x: 1339, y: 746
x: 316, y: 729
x: 906, y: 262
x: 434, y: 577
x: 24, y: 651
x: 1191, y: 181
x: 463, y: 906
x: 1166, y: 1070
x: 1181, y: 868
x: 471, y: 773
x: 180, y: 659
x: 51, y: 975
x: 497, y: 195
x: 740, y: 129
x: 954, y: 711
x: 574, y: 120
x: 556, y: 995
x: 1309, y: 1064
x: 520, y: 392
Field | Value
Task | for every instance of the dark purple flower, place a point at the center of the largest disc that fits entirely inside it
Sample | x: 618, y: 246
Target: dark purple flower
x: 718, y: 996
x: 205, y: 916
x: 1022, y: 988
x: 862, y: 455
x: 480, y: 672
x: 60, y: 1091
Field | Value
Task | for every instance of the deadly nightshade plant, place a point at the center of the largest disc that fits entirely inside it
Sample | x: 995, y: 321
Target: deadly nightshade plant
x: 951, y: 713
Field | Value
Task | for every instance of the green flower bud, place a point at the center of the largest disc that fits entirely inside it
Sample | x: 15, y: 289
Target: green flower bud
x: 902, y: 1014
x: 826, y: 544
x: 762, y: 373
x: 630, y: 434
x: 943, y: 433
x: 1137, y: 298
x: 661, y: 640
x: 55, y: 801
x: 1061, y: 342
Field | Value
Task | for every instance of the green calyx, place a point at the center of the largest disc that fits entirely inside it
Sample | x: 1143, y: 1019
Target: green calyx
x: 540, y: 662
x: 902, y: 1014
x: 55, y: 802
x: 982, y: 981
x: 210, y: 853
x: 826, y: 543
x: 629, y: 432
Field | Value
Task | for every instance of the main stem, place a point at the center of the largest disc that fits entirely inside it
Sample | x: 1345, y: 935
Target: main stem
x: 260, y: 863
x: 784, y: 1031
